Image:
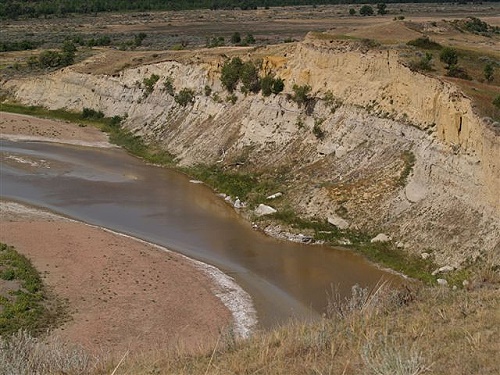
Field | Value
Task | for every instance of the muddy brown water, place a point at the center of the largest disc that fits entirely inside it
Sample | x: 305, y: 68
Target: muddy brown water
x: 110, y: 188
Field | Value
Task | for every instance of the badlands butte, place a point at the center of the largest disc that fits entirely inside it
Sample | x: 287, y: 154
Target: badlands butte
x: 375, y: 147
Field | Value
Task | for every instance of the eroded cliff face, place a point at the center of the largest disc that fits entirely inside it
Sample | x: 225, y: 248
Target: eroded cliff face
x: 383, y: 122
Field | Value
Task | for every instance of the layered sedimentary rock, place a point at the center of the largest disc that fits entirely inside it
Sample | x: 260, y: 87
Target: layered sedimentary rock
x: 382, y: 147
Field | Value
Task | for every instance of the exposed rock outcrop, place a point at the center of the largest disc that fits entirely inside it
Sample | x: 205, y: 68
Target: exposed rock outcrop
x: 401, y: 152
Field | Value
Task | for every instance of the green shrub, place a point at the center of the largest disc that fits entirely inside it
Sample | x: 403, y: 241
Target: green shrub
x: 168, y: 86
x: 278, y: 86
x: 381, y: 8
x: 475, y: 25
x: 496, y: 101
x: 449, y: 56
x: 185, y: 97
x: 49, y: 59
x: 215, y: 42
x: 250, y: 77
x: 91, y: 114
x: 266, y: 84
x: 24, y: 45
x: 317, y: 131
x: 231, y: 99
x: 230, y: 73
x: 25, y: 308
x: 301, y: 94
x: 425, y: 43
x: 249, y: 39
x: 207, y: 90
x: 456, y: 71
x: 231, y: 183
x: 236, y: 38
x: 424, y: 64
x: 8, y: 274
x: 149, y: 83
x: 488, y: 72
x: 366, y: 10
x: 138, y: 39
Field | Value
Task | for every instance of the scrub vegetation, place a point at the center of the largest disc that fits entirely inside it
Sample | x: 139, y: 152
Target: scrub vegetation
x: 24, y: 302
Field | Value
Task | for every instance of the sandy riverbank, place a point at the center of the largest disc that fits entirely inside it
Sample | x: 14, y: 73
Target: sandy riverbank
x: 123, y: 293
x: 28, y: 128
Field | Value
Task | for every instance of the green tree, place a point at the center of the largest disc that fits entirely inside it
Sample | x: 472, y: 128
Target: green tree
x: 250, y: 77
x: 366, y: 10
x: 449, y: 56
x: 381, y: 8
x: 68, y: 53
x: 230, y: 73
x: 249, y: 39
x: 352, y: 11
x: 184, y: 97
x: 49, y: 59
x: 68, y: 47
x: 488, y: 72
x: 236, y: 38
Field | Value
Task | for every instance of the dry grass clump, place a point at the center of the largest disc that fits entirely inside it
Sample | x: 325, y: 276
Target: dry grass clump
x: 22, y: 354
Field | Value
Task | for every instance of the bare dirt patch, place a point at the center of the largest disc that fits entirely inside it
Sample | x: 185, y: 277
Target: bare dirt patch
x: 122, y: 294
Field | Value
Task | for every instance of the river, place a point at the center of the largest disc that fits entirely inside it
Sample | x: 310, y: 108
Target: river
x: 109, y: 188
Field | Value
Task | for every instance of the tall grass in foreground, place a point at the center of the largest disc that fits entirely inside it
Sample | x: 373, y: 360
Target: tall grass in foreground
x: 379, y: 332
x: 374, y: 332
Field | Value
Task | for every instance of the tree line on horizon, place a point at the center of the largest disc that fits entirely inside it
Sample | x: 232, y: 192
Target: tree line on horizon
x: 13, y: 9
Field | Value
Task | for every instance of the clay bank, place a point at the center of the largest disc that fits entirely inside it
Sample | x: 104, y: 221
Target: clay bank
x: 377, y: 147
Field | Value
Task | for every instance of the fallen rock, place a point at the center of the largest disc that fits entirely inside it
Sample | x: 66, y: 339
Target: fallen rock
x: 442, y: 282
x: 400, y: 245
x: 446, y: 269
x: 338, y: 222
x: 425, y: 256
x: 237, y: 203
x: 196, y: 181
x: 381, y: 237
x: 263, y: 209
x: 443, y: 269
x: 274, y: 196
x: 415, y: 192
x: 304, y: 239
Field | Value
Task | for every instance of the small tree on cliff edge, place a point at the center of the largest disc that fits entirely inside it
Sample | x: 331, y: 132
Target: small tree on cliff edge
x: 230, y: 73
